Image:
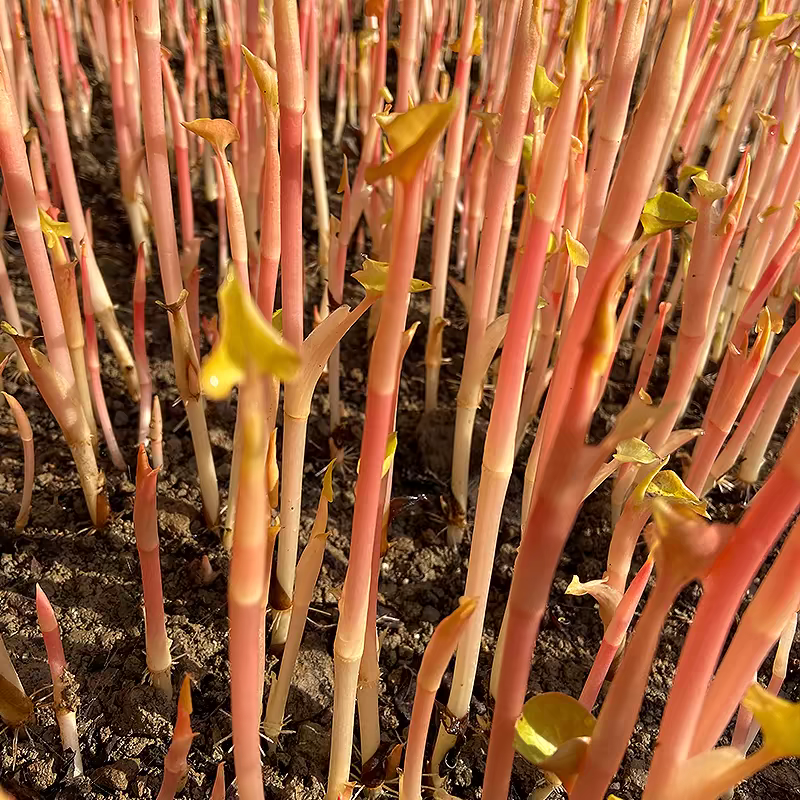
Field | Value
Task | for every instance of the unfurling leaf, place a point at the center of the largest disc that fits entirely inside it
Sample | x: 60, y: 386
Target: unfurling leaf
x: 265, y: 76
x: 412, y: 135
x: 327, y: 481
x: 545, y: 93
x: 578, y: 254
x: 53, y: 230
x: 374, y: 277
x: 666, y: 211
x: 779, y: 720
x: 549, y: 725
x: 635, y: 451
x: 764, y: 24
x: 247, y: 342
x: 605, y: 596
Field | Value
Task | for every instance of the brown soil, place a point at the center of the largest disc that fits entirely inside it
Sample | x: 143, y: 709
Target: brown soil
x: 93, y: 578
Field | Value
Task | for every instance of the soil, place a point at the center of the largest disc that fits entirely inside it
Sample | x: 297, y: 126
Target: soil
x: 93, y: 579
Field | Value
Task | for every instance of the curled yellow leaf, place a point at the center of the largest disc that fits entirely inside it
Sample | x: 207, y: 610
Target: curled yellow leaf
x: 477, y: 39
x: 374, y: 277
x: 219, y: 133
x: 265, y: 76
x: 635, y: 451
x: 327, y: 481
x: 545, y: 93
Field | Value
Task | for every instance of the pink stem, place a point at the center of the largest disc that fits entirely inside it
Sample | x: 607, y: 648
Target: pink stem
x: 26, y: 437
x: 140, y: 346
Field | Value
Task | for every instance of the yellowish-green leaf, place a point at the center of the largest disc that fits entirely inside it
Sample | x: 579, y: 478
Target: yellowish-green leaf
x: 53, y: 230
x: 247, y: 344
x: 666, y: 211
x: 578, y: 254
x: 779, y: 720
x: 412, y: 135
x: 277, y: 320
x: 549, y: 721
x: 635, y: 451
x: 765, y: 24
x: 527, y: 148
x: 542, y: 302
x: 552, y: 244
x: 374, y: 277
x: 386, y: 94
x: 767, y: 120
x: 708, y: 189
x: 768, y: 212
x: 327, y: 481
x: 545, y: 93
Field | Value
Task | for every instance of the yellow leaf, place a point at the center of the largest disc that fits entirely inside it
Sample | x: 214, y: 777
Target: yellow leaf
x: 665, y: 211
x: 779, y: 720
x: 545, y: 93
x: 668, y: 484
x: 277, y: 320
x: 391, y: 449
x: 477, y: 39
x: 247, y: 343
x: 578, y: 254
x: 552, y: 244
x: 549, y: 722
x: 53, y: 230
x: 374, y: 276
x: 635, y: 451
x: 708, y: 189
x: 412, y: 135
x: 689, y: 171
x: 765, y: 24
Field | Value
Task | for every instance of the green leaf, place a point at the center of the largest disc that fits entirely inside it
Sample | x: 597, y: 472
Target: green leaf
x: 666, y: 211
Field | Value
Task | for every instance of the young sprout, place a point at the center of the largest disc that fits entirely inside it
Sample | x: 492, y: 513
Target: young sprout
x: 176, y: 768
x: 140, y: 347
x: 218, y: 791
x: 16, y: 708
x: 437, y: 656
x: 148, y: 41
x: 249, y: 348
x: 156, y: 435
x: 306, y: 578
x: 65, y: 698
x: 145, y: 528
x: 26, y: 437
x: 412, y: 136
x: 68, y: 412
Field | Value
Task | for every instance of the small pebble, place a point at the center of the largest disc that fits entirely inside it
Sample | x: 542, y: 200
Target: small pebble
x: 120, y: 419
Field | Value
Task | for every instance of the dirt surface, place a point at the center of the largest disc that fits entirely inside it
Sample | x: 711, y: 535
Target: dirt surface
x: 93, y: 579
